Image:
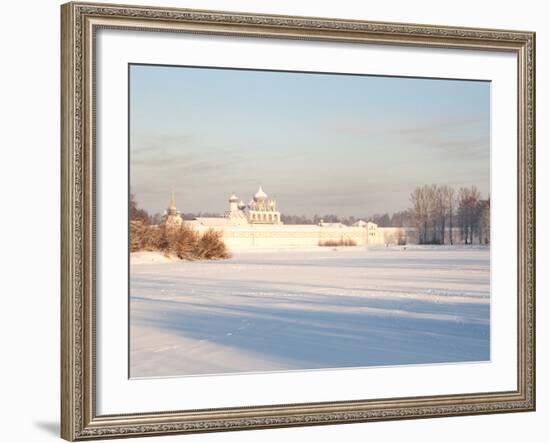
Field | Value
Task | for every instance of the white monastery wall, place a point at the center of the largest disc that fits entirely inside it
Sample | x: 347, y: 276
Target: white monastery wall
x: 258, y: 225
x: 289, y: 236
x: 303, y: 236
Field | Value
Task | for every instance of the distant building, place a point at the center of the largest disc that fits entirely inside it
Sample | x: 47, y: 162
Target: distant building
x: 260, y: 210
x: 172, y: 217
x: 259, y: 225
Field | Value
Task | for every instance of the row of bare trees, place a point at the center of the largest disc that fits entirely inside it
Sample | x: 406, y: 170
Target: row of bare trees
x: 439, y: 211
x: 398, y: 219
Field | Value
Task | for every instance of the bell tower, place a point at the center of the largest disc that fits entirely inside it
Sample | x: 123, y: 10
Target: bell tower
x: 172, y: 217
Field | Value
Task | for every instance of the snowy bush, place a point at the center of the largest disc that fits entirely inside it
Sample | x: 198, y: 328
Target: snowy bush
x: 341, y: 242
x: 211, y: 246
x: 183, y: 242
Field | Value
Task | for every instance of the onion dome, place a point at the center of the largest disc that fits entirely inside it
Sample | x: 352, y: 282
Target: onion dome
x: 241, y: 205
x: 234, y: 198
x: 260, y: 195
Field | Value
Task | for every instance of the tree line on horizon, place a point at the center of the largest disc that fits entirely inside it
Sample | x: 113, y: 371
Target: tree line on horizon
x: 440, y: 213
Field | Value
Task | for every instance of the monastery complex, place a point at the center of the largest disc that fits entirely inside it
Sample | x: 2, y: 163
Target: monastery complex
x: 258, y: 225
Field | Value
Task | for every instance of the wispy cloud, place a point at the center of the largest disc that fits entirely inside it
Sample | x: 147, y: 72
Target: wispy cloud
x: 453, y: 135
x: 314, y: 142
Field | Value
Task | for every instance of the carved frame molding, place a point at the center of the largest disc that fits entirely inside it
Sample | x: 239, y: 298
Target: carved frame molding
x: 79, y: 24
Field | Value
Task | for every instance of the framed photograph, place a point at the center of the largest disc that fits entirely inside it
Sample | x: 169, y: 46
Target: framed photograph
x: 277, y: 221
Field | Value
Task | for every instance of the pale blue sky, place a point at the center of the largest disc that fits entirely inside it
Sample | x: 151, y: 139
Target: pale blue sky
x: 318, y: 143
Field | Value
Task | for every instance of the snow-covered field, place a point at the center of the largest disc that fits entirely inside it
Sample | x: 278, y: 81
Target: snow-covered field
x: 323, y: 308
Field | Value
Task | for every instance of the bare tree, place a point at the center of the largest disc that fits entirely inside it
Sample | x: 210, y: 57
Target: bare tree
x: 137, y: 213
x: 469, y: 212
x: 485, y: 221
x: 420, y: 199
x: 402, y: 218
x: 448, y: 195
x: 431, y: 197
x: 432, y: 212
x: 382, y: 220
x: 439, y: 213
x: 156, y: 219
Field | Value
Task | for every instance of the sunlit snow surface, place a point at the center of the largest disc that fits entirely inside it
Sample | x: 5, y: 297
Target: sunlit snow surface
x: 324, y: 308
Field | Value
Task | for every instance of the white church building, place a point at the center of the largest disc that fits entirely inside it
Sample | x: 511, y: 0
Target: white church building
x: 258, y: 224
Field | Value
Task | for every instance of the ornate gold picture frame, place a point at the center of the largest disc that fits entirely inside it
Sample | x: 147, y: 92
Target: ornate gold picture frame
x: 80, y: 23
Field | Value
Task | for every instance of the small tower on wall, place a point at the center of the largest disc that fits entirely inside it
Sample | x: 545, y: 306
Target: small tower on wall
x: 172, y: 217
x: 233, y: 203
x: 235, y: 212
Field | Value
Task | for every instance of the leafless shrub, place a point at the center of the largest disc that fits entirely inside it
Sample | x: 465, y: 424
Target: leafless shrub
x: 183, y: 242
x: 159, y: 239
x: 341, y: 242
x: 139, y: 234
x: 211, y: 246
